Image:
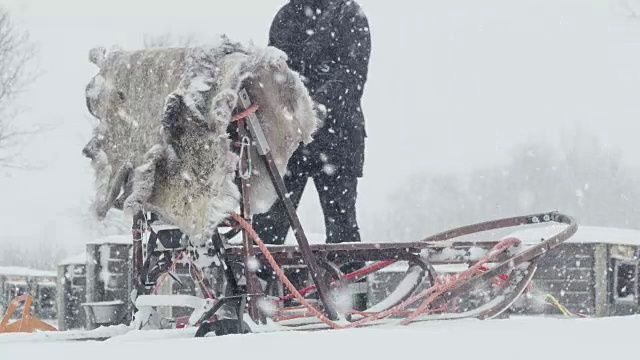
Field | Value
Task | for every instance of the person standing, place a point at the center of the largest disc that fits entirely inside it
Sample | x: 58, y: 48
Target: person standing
x: 328, y: 43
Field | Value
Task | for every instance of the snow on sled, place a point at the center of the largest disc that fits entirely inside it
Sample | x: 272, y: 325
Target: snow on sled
x: 194, y: 141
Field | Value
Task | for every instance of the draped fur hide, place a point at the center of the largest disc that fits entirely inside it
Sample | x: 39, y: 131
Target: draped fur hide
x: 161, y: 143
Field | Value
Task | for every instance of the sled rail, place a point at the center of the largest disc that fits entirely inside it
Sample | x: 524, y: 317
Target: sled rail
x: 291, y: 254
x: 433, y: 244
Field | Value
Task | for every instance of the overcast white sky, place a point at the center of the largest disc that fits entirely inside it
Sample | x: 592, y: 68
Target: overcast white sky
x: 453, y: 85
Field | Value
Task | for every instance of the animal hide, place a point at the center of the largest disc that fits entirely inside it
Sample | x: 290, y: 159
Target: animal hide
x: 162, y: 142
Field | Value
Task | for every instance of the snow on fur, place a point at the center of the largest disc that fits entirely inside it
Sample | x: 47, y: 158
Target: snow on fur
x: 162, y: 145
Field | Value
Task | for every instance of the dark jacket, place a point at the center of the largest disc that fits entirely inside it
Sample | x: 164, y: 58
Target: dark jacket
x: 329, y: 44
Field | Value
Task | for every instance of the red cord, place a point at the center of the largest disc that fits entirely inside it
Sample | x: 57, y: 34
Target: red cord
x: 365, y: 270
x: 251, y: 110
x: 473, y: 270
x: 434, y: 291
x: 274, y: 265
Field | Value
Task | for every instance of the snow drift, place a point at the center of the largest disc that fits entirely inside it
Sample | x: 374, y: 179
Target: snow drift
x: 163, y: 141
x: 522, y: 339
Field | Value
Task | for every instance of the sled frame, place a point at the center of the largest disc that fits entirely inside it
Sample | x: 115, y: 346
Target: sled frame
x: 320, y: 259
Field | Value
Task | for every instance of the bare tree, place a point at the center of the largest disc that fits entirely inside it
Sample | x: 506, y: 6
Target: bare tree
x: 628, y: 8
x: 16, y: 57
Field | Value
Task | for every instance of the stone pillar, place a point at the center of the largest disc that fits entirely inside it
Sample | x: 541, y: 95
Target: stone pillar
x: 61, y: 301
x: 91, y: 274
x: 601, y: 281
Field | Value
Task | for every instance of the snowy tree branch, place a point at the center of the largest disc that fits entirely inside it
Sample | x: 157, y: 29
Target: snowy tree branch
x: 16, y: 57
x: 633, y: 13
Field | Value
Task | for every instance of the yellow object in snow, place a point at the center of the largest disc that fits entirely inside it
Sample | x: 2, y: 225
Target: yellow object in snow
x: 28, y: 323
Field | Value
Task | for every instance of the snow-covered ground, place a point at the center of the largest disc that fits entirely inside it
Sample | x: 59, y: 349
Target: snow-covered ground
x: 518, y: 338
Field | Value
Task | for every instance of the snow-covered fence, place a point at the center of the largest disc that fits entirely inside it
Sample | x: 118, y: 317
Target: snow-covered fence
x: 108, y: 279
x: 72, y: 283
x: 593, y: 273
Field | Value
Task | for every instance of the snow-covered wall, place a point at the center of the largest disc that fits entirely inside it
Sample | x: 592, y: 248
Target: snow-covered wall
x: 26, y: 272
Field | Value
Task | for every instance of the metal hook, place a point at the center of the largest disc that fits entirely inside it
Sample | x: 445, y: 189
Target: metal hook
x: 244, y: 146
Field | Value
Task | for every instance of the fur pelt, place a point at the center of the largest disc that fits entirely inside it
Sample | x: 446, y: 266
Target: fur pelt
x: 161, y: 143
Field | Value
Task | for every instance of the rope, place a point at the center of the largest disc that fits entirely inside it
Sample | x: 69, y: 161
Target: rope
x: 435, y: 291
x: 365, y: 270
x: 493, y: 253
x: 256, y: 239
x: 251, y: 110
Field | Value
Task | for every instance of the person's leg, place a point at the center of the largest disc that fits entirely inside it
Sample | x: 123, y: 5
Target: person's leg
x: 338, y: 195
x: 273, y: 226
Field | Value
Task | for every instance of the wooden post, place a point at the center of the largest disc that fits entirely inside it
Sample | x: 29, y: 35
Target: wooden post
x: 62, y: 288
x: 600, y: 277
x: 91, y: 284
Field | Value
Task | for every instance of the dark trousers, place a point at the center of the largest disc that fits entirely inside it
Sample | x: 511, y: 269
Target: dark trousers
x: 337, y: 192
